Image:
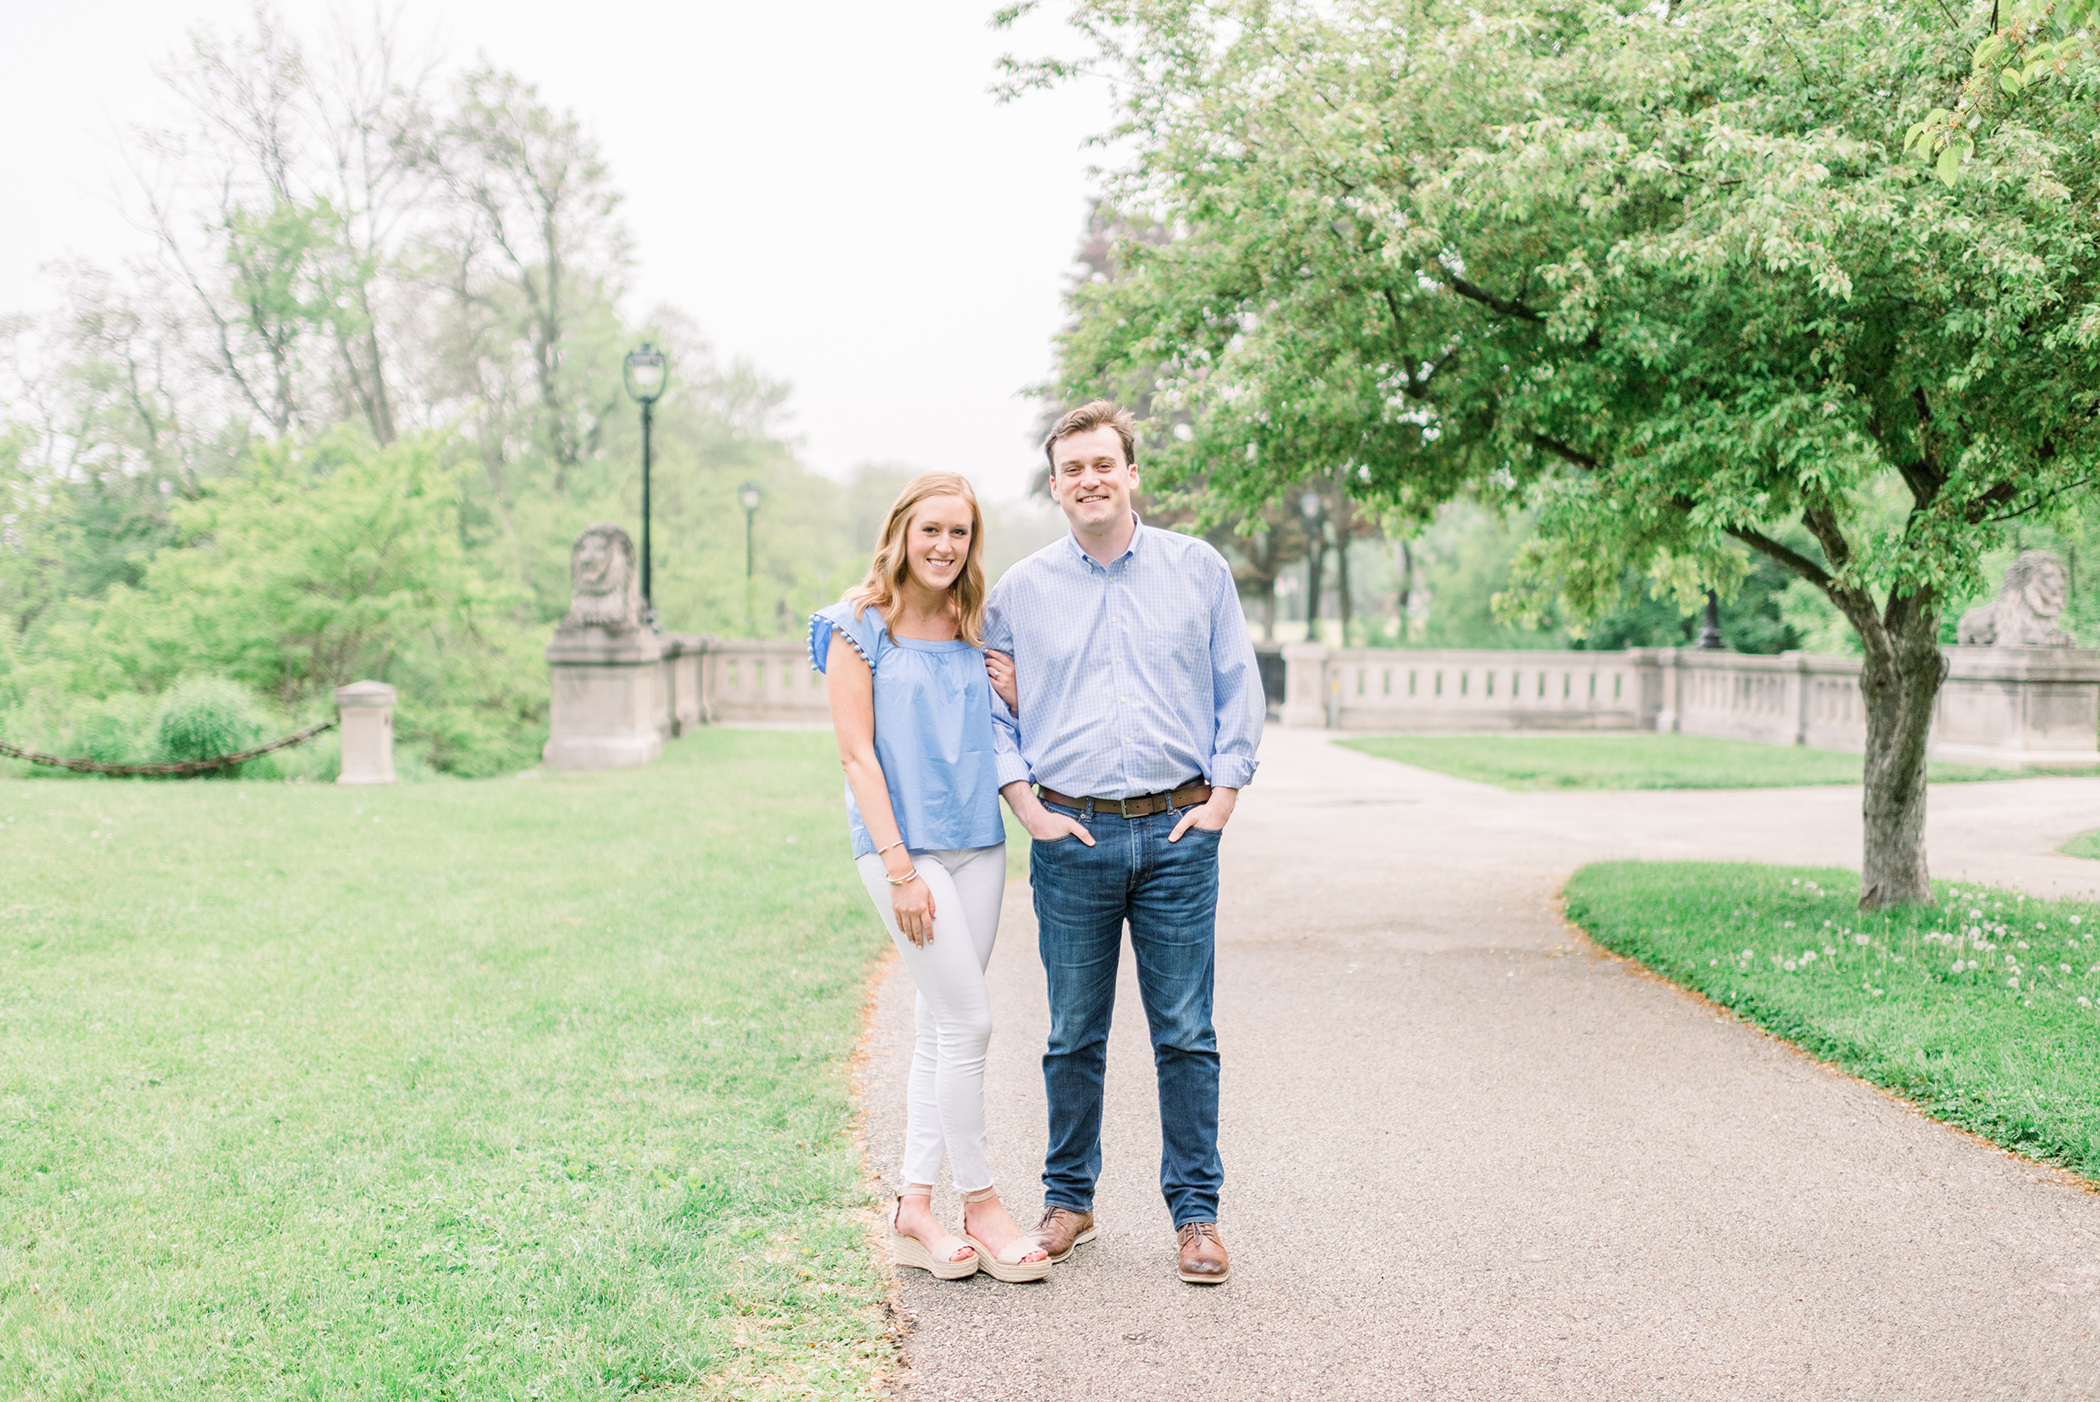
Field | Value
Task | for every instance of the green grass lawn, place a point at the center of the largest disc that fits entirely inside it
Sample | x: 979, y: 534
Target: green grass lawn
x: 531, y: 1087
x: 1524, y: 762
x: 2086, y: 844
x: 1984, y: 1011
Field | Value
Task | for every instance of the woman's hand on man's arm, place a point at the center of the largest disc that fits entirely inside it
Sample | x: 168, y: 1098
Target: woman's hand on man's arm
x: 1000, y: 668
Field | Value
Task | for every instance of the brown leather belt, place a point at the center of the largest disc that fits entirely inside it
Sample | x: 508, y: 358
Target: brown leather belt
x: 1143, y: 805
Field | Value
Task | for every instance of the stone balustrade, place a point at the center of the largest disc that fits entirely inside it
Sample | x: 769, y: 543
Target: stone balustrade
x: 618, y: 695
x: 1457, y: 689
x: 617, y: 698
x: 734, y: 681
x: 2000, y: 705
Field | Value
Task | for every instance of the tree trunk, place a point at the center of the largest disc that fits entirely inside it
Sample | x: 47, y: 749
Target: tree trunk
x: 1344, y: 531
x: 1407, y: 584
x: 1900, y: 684
x: 1312, y: 588
x: 1341, y: 583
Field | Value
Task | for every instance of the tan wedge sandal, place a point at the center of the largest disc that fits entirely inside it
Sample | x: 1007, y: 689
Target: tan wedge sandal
x: 1006, y: 1265
x: 940, y: 1263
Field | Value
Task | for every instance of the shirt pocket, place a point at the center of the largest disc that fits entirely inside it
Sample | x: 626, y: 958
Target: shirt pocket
x: 1174, y: 646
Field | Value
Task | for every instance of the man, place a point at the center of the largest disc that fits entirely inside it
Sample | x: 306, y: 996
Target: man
x: 1140, y: 711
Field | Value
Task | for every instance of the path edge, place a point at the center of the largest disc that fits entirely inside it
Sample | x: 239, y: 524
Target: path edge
x: 2055, y: 1173
x: 898, y: 1320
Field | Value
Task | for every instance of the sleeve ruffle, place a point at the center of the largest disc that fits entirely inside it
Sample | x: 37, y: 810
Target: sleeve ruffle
x: 859, y: 633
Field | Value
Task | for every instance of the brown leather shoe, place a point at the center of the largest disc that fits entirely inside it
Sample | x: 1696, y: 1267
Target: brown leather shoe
x: 1203, y: 1257
x: 1062, y: 1229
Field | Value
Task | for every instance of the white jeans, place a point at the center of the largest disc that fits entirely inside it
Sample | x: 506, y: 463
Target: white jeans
x: 944, y: 1106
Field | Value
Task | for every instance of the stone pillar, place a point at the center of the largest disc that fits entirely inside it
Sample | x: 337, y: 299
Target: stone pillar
x: 1669, y: 708
x: 1305, y: 685
x: 367, y: 728
x: 609, y: 708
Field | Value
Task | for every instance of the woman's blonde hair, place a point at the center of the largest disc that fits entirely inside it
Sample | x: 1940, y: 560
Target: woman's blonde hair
x: 891, y: 565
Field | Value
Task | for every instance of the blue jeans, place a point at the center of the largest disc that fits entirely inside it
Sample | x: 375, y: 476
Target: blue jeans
x: 1169, y: 894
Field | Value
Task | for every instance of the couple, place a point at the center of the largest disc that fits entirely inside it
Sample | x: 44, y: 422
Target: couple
x: 1117, y: 710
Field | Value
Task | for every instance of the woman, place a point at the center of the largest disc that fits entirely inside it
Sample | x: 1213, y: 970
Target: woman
x: 911, y: 702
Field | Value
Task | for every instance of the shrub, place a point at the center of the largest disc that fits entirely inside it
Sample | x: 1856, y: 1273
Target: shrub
x: 205, y: 717
x: 116, y: 730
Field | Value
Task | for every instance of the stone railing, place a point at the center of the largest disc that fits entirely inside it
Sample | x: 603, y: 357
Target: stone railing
x: 715, y: 681
x: 619, y: 694
x: 1406, y: 689
x: 2000, y: 705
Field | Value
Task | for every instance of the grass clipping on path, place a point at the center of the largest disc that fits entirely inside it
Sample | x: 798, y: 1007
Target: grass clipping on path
x: 529, y: 1087
x: 1643, y: 761
x: 1984, y: 1011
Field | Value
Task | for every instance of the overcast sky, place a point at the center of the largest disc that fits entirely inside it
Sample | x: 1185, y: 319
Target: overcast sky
x: 825, y: 185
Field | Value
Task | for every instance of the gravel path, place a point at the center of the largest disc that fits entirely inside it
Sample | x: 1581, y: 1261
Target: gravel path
x: 1469, y: 1157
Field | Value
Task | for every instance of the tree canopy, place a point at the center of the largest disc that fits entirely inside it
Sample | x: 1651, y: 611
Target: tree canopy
x: 1665, y: 273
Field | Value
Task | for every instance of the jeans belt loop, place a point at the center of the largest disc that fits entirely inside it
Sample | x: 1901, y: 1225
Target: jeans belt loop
x: 1090, y: 809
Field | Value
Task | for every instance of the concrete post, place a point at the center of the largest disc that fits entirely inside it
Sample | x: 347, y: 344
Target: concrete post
x: 367, y: 726
x: 1305, y: 687
x: 1669, y: 715
x: 608, y: 709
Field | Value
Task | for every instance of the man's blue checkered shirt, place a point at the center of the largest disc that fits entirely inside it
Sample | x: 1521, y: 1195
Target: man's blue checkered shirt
x: 1134, y: 677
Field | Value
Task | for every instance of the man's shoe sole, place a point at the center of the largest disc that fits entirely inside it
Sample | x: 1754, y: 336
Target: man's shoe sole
x: 1078, y: 1241
x: 1205, y: 1279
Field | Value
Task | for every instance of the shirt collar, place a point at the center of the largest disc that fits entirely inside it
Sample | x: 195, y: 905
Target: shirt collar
x: 1137, y: 533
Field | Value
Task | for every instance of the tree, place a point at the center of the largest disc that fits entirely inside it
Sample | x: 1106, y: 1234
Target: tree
x: 309, y: 567
x: 278, y: 204
x: 1665, y: 274
x: 538, y: 205
x: 2041, y: 50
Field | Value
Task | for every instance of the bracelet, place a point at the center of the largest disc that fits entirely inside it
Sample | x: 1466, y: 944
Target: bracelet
x: 880, y: 850
x: 904, y: 880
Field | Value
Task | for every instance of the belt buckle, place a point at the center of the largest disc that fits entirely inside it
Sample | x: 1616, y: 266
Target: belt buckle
x: 1123, y: 807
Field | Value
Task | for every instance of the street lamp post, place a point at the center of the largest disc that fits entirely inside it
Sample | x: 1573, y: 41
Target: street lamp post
x: 1309, y: 508
x: 748, y: 494
x: 1710, y: 634
x: 645, y: 374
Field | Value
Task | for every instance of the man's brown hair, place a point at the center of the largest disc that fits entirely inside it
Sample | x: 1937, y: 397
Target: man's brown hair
x: 1088, y: 417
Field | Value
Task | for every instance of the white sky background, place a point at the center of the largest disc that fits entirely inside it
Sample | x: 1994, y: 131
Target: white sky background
x: 825, y: 185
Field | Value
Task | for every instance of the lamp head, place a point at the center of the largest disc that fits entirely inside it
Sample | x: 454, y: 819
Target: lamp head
x: 645, y: 373
x: 748, y: 495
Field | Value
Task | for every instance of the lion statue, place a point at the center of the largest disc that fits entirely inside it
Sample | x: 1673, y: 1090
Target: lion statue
x: 603, y: 590
x: 2024, y: 614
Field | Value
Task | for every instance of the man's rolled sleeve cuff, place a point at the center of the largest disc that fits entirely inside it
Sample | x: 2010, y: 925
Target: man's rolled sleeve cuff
x: 1231, y: 772
x: 1013, y: 769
